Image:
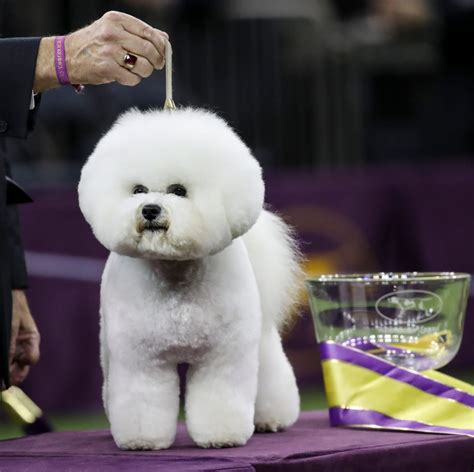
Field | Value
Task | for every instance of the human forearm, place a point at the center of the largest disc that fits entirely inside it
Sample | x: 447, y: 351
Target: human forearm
x: 45, y: 73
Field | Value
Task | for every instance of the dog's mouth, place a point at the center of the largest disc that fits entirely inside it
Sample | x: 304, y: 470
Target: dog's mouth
x: 152, y: 226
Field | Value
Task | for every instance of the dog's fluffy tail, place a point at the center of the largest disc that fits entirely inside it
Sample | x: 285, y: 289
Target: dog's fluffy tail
x: 276, y: 262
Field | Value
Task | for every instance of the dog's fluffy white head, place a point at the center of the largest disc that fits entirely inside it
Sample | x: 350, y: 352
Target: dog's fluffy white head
x: 189, y: 166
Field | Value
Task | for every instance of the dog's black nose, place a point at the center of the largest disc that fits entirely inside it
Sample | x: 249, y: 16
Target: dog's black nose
x: 151, y: 212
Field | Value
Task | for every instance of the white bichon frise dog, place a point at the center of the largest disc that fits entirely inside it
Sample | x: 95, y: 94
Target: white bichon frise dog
x: 198, y: 273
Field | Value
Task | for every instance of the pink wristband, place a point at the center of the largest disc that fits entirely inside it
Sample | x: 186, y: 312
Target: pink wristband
x: 60, y: 60
x: 60, y: 63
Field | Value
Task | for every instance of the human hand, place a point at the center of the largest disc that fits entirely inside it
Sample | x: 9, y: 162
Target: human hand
x: 95, y: 54
x: 25, y: 339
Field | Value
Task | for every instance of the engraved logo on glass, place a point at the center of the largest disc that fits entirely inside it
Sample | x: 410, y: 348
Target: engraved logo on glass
x: 409, y: 307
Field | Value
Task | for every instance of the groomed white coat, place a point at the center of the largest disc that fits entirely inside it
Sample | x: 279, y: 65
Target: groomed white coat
x: 208, y: 279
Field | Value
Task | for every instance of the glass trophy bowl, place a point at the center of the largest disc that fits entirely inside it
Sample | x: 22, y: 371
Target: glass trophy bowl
x: 414, y: 320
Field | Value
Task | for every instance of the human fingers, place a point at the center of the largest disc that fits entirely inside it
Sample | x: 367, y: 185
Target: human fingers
x: 109, y: 69
x: 139, y: 28
x: 142, y: 47
x: 125, y: 77
x: 18, y: 373
x: 136, y: 64
x: 28, y: 340
x: 28, y: 352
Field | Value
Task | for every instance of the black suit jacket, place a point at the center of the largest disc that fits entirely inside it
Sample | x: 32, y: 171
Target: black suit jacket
x: 18, y: 58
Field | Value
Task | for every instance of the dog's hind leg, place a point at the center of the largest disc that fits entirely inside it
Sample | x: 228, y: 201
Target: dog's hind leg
x: 278, y: 402
x: 104, y: 363
x: 275, y: 260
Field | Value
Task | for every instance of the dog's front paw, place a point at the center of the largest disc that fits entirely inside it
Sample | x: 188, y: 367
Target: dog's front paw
x: 217, y: 427
x: 141, y: 431
x: 143, y: 444
x: 138, y: 439
x: 220, y: 438
x: 220, y: 443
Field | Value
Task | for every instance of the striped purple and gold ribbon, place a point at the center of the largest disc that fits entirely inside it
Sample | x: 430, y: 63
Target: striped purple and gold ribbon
x: 369, y: 392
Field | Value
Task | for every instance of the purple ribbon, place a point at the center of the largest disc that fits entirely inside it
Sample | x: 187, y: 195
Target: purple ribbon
x: 331, y: 350
x: 363, y: 418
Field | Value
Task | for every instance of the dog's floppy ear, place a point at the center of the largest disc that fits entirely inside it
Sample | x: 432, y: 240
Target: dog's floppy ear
x: 243, y: 194
x: 239, y: 173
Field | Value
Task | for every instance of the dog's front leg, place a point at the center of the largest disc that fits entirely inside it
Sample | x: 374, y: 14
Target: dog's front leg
x: 143, y: 405
x: 220, y: 398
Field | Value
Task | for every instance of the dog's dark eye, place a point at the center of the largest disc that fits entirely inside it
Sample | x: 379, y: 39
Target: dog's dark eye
x: 139, y: 189
x: 176, y: 189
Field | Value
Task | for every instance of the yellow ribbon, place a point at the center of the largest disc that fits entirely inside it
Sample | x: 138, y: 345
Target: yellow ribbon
x: 352, y: 385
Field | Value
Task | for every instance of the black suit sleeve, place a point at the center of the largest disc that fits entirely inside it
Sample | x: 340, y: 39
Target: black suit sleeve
x: 5, y: 289
x: 18, y: 274
x: 18, y: 56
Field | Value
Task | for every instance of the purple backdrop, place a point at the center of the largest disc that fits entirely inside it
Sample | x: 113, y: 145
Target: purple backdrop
x: 391, y: 220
